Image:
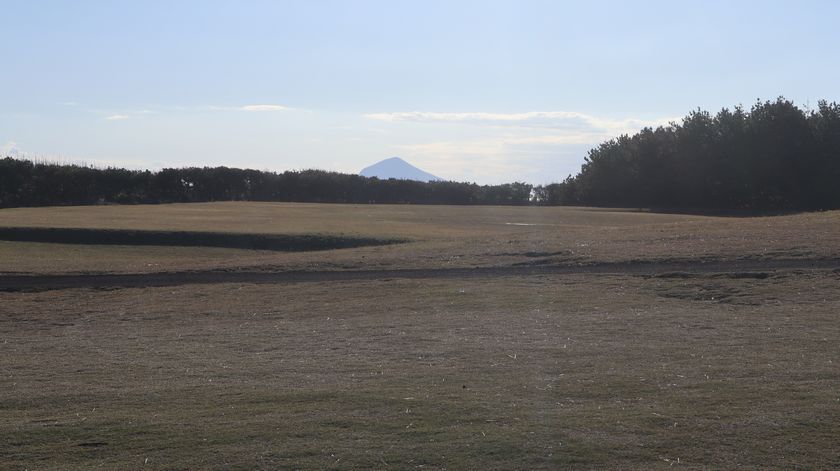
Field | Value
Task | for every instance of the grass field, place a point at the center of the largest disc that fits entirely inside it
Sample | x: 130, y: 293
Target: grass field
x: 442, y: 236
x: 703, y: 371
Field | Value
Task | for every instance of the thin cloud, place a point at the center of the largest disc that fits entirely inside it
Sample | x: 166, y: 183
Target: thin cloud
x: 427, y: 116
x: 471, y: 161
x: 136, y: 113
x: 252, y: 108
x: 540, y: 146
x: 558, y: 120
x: 535, y: 158
x: 264, y: 108
x: 501, y: 147
x: 10, y: 148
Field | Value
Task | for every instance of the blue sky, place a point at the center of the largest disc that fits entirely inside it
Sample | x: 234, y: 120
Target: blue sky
x: 485, y: 91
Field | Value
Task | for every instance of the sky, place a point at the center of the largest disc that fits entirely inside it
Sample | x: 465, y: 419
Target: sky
x: 487, y: 91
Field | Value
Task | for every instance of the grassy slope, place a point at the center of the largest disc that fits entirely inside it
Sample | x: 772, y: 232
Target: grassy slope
x: 443, y: 235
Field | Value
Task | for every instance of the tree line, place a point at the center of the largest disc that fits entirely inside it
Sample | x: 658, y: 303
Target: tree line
x: 27, y: 183
x: 775, y: 156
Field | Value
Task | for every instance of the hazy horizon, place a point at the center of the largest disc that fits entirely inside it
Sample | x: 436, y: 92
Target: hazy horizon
x: 489, y: 92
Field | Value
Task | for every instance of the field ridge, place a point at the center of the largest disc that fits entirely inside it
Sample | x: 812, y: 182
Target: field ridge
x: 734, y: 268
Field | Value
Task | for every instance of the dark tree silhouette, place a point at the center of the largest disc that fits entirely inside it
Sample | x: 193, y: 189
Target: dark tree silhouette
x: 776, y: 156
x: 24, y: 183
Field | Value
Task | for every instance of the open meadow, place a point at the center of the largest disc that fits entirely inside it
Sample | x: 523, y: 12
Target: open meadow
x: 472, y: 337
x: 439, y: 236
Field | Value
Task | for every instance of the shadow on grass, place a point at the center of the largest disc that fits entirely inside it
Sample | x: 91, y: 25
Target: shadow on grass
x: 276, y: 242
x: 735, y: 213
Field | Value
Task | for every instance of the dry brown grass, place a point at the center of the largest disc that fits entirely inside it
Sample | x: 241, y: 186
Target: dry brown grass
x: 444, y: 236
x: 540, y: 372
x: 521, y: 373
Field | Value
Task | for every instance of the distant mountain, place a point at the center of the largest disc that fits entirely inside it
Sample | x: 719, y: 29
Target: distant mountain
x: 396, y: 167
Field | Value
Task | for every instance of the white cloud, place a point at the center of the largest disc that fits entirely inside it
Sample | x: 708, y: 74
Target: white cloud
x: 254, y: 107
x: 117, y: 117
x: 539, y: 146
x: 497, y: 159
x: 503, y: 147
x: 559, y: 120
x: 264, y: 108
x: 472, y: 116
x: 9, y: 149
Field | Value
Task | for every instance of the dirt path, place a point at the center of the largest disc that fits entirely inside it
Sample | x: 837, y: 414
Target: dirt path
x: 734, y: 268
